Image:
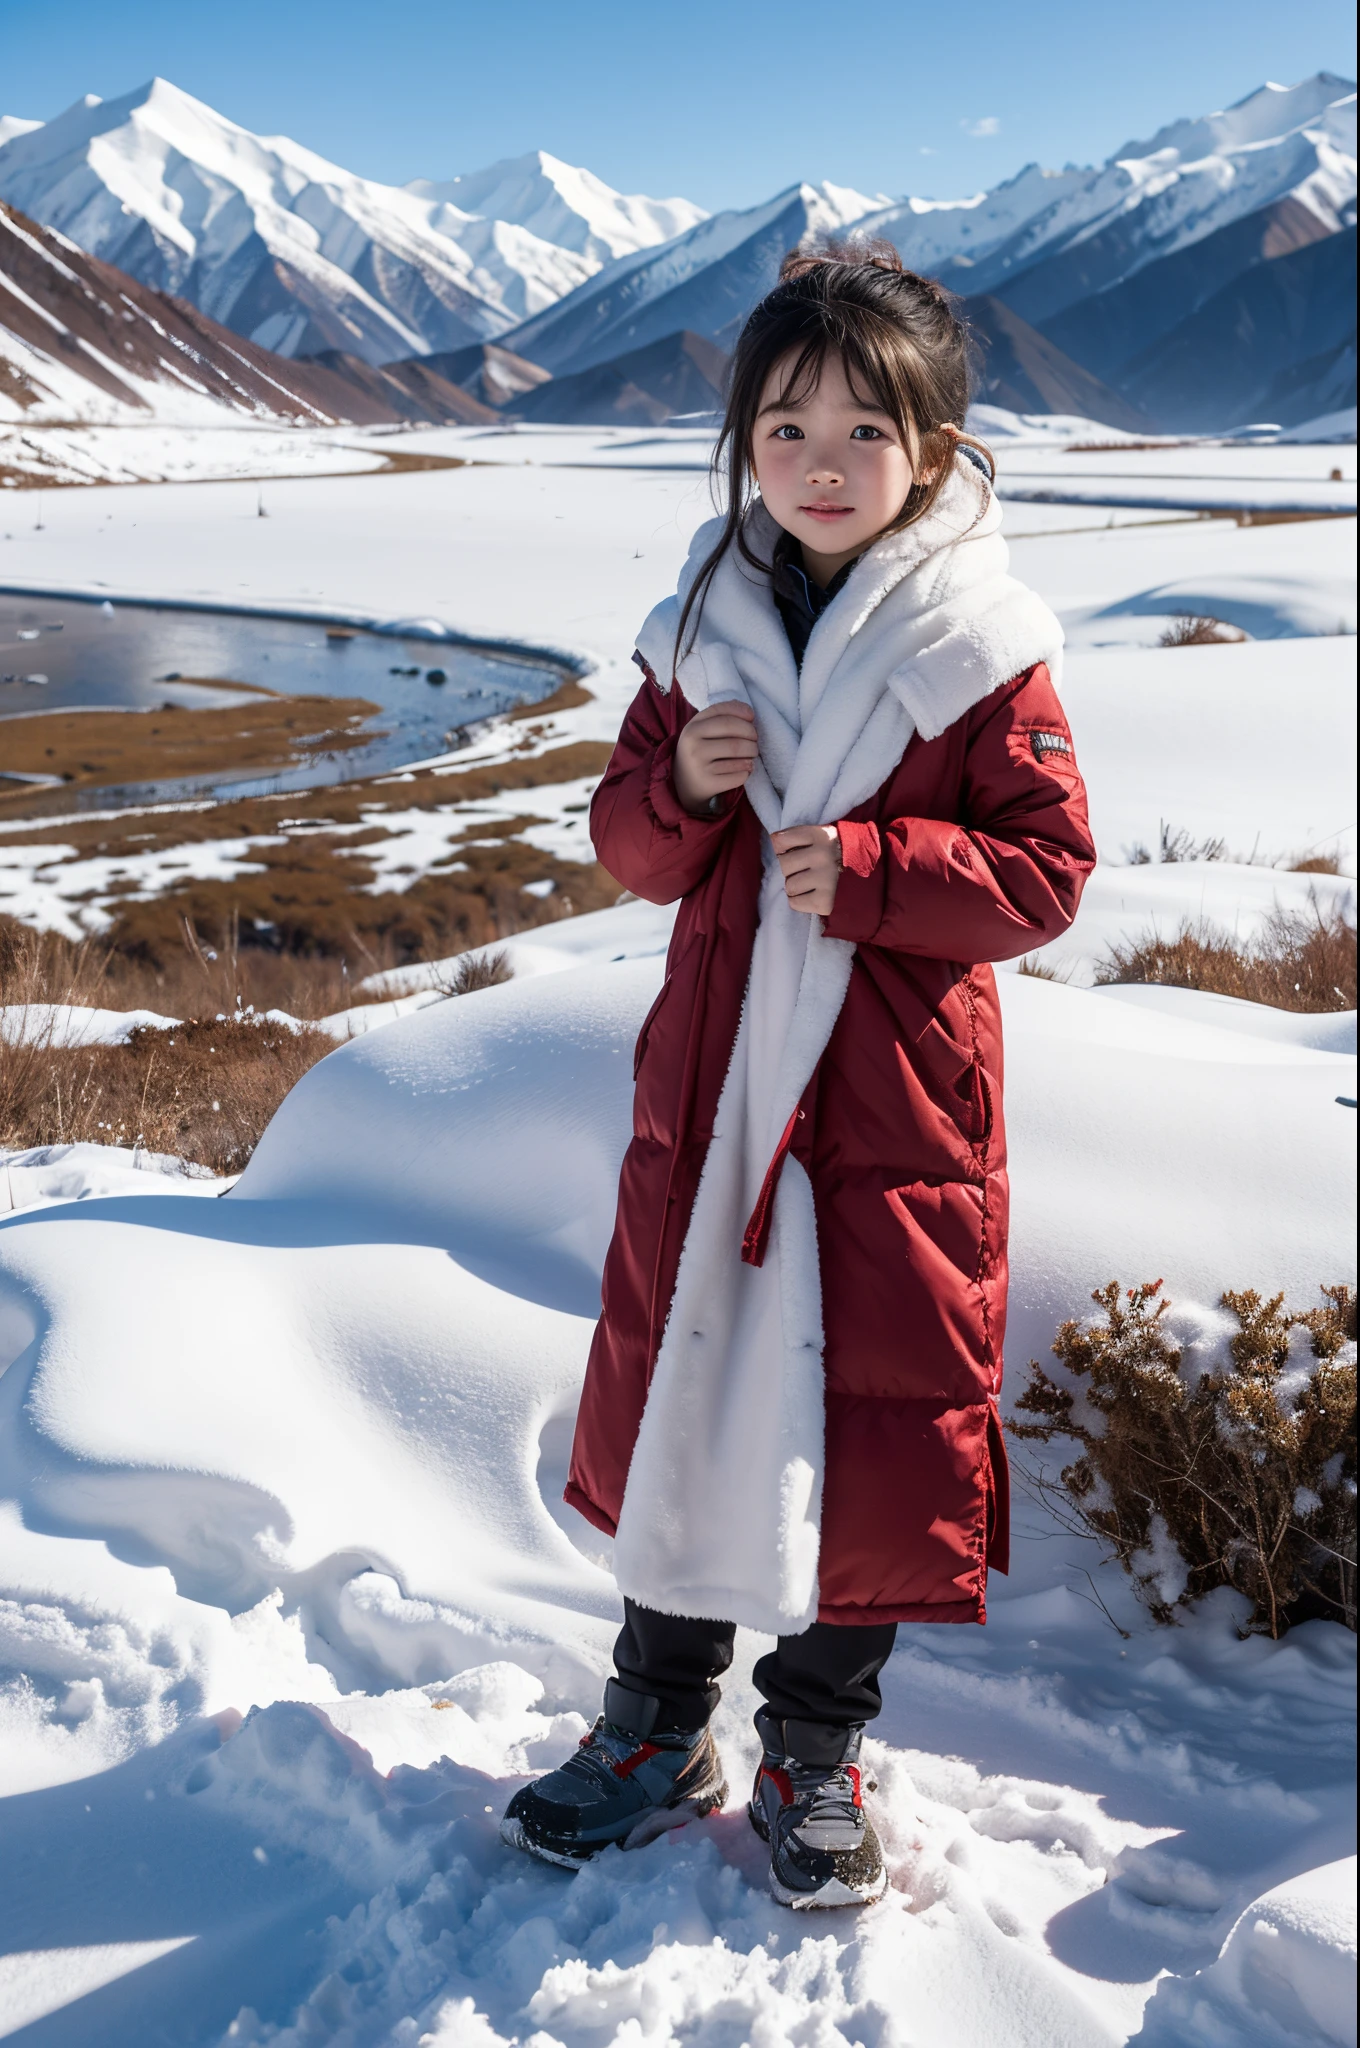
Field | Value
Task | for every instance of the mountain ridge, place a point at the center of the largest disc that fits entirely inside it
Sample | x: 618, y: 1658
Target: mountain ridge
x: 275, y: 241
x: 310, y: 260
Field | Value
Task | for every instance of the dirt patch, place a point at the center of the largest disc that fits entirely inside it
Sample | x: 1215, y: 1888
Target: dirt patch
x: 87, y: 749
x: 312, y: 891
x: 405, y: 463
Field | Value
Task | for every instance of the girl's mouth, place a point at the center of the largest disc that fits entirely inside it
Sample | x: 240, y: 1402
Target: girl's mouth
x: 827, y: 511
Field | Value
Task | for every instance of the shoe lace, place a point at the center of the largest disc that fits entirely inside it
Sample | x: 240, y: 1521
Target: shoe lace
x: 822, y: 1794
x: 826, y: 1801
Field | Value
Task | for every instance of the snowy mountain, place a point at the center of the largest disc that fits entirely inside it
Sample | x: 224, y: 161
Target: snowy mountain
x: 705, y: 281
x: 1277, y: 342
x: 1107, y: 263
x: 271, y: 239
x: 1048, y: 238
x: 564, y: 205
x: 80, y: 340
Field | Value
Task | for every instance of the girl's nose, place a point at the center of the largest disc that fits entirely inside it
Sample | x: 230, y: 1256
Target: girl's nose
x: 826, y: 473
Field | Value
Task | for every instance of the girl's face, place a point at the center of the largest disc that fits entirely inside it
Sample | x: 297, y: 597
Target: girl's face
x: 832, y: 469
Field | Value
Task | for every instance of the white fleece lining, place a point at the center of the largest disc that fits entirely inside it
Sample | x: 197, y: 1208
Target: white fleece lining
x: 721, y: 1516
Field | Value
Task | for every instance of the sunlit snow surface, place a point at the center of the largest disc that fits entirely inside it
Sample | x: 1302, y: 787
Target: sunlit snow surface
x: 300, y: 1450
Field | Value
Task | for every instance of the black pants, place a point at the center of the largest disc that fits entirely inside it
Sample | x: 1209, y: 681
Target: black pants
x: 827, y: 1674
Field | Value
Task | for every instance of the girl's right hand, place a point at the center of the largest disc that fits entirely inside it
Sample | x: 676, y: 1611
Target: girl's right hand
x: 714, y: 754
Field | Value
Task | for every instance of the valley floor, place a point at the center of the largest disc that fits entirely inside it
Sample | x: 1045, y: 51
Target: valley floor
x: 296, y: 1455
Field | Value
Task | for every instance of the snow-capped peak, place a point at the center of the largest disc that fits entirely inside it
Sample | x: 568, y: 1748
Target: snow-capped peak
x: 272, y: 239
x: 15, y: 124
x: 1191, y: 178
x: 563, y: 204
x: 1266, y: 115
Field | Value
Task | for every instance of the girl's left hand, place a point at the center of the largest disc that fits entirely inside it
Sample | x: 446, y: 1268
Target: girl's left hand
x: 810, y: 856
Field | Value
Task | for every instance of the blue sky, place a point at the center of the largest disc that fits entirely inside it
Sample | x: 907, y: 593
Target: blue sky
x: 722, y: 101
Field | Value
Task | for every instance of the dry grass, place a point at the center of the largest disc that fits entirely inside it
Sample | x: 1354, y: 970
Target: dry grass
x: 203, y: 1091
x: 475, y: 970
x: 89, y: 749
x: 1189, y: 630
x: 1242, y: 1475
x: 1175, y: 843
x: 1298, y: 961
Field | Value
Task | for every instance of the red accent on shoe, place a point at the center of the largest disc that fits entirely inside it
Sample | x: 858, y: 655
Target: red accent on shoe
x: 626, y: 1766
x: 780, y: 1781
x: 852, y: 1772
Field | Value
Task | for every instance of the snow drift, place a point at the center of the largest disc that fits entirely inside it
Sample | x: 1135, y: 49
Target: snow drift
x: 306, y: 1444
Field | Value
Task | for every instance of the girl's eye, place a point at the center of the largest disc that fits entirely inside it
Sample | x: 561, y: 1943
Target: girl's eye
x: 788, y: 432
x: 866, y: 434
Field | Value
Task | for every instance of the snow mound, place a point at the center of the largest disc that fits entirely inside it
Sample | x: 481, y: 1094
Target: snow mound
x: 77, y: 1173
x: 1287, y: 1973
x: 73, y: 1024
x: 323, y: 1478
x: 492, y: 1124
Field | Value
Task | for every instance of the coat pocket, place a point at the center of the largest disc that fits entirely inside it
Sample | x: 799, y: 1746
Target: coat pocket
x: 640, y: 1049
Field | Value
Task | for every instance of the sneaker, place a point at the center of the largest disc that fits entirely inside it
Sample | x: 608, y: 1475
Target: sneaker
x: 807, y: 1805
x: 628, y: 1782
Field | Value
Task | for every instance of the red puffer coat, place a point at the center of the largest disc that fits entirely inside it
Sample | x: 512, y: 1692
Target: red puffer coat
x: 976, y: 848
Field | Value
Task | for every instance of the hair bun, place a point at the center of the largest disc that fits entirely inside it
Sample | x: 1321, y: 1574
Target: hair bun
x: 864, y: 254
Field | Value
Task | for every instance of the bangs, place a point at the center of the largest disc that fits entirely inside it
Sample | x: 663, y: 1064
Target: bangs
x: 868, y: 372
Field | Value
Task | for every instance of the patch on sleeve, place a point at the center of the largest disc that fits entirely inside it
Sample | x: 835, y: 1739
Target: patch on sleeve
x: 1046, y: 743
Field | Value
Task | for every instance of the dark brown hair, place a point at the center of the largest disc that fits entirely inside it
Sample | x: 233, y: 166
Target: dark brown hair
x: 903, y: 346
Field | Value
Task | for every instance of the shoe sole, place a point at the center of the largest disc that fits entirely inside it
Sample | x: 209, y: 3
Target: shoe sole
x: 660, y: 1821
x: 833, y: 1893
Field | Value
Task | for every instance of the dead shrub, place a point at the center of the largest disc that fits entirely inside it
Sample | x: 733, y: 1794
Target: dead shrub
x: 204, y: 1091
x: 1315, y: 864
x: 1299, y: 960
x: 471, y: 971
x: 1175, y: 843
x: 1243, y: 1476
x: 1189, y: 630
x: 197, y: 974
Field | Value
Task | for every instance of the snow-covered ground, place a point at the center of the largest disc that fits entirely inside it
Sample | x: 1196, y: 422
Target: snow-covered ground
x: 297, y: 1454
x: 1044, y: 458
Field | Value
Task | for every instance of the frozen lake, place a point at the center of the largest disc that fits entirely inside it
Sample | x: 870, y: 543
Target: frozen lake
x: 62, y: 654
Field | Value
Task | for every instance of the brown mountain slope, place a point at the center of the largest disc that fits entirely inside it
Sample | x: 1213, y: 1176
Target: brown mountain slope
x: 493, y: 375
x: 87, y: 332
x: 405, y: 390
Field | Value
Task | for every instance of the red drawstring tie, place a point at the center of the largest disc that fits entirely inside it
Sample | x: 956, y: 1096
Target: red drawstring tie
x: 756, y: 1240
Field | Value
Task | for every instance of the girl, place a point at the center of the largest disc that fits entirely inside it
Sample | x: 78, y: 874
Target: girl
x: 848, y: 762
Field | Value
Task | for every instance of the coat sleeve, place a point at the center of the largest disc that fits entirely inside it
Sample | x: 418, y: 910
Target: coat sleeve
x: 640, y: 830
x: 1003, y: 878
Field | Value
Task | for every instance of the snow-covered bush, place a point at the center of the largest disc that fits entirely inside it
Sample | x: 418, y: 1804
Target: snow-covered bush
x: 1235, y: 1468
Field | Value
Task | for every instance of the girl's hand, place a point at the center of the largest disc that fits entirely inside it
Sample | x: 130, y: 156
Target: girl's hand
x: 810, y: 856
x: 715, y: 753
